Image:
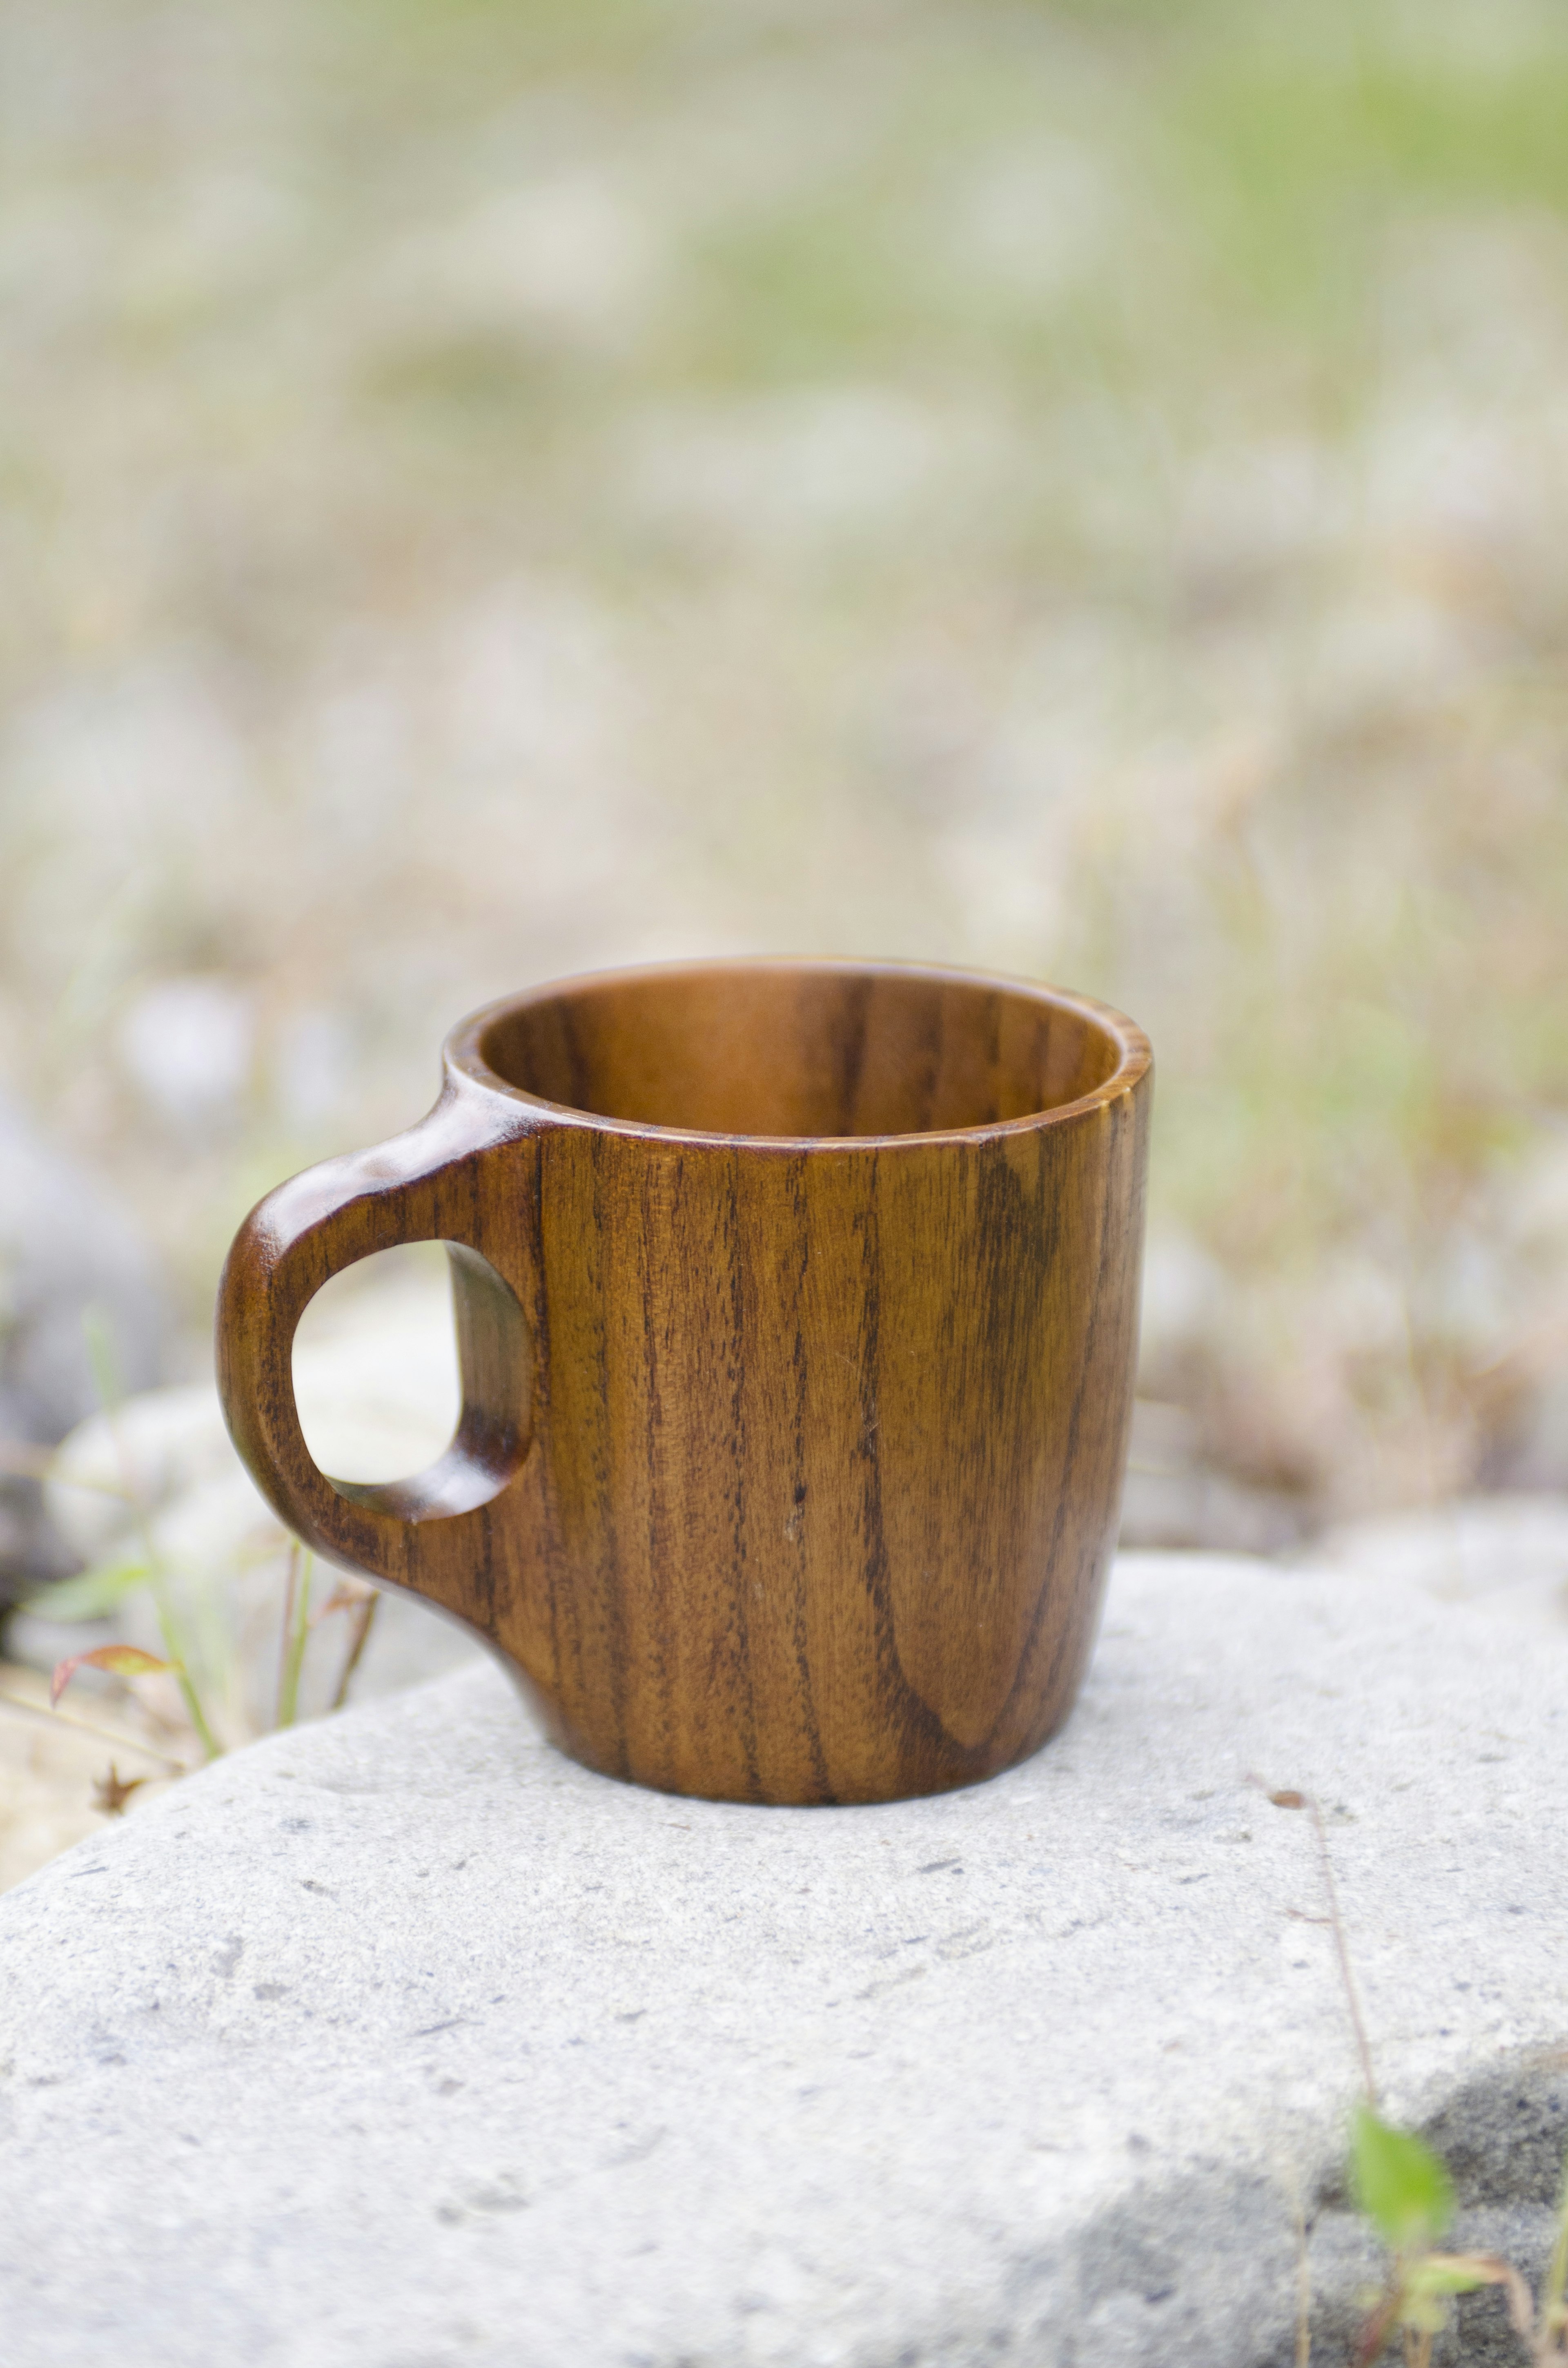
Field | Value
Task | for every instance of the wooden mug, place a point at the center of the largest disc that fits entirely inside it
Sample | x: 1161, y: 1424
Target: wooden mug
x: 796, y: 1308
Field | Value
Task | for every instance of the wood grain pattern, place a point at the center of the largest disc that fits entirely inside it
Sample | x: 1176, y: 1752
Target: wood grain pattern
x: 797, y: 1306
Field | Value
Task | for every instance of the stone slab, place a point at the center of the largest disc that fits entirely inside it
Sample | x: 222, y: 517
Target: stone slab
x: 399, y: 2042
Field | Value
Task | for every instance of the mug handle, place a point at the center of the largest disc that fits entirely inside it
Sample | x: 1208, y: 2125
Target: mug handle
x: 431, y: 1534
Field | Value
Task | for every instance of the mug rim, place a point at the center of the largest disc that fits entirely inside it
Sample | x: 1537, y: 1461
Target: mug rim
x: 461, y: 1050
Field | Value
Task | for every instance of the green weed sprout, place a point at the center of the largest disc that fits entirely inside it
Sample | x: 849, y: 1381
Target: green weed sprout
x: 106, y: 1376
x: 98, y: 1592
x: 1404, y: 2190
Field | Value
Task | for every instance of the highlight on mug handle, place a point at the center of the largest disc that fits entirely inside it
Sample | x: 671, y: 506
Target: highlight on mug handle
x: 417, y: 1187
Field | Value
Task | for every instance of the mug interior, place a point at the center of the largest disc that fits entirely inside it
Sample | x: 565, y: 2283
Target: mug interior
x: 802, y: 1050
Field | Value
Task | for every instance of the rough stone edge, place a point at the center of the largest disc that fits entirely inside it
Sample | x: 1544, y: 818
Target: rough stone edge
x: 1199, y: 2270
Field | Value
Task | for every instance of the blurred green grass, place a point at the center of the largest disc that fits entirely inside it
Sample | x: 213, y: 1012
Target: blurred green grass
x: 1074, y: 488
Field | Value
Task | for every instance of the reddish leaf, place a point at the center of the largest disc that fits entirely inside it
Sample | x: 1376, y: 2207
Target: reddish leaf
x: 124, y: 1661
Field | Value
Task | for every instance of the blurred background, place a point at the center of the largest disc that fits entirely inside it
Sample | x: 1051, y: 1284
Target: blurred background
x: 498, y: 489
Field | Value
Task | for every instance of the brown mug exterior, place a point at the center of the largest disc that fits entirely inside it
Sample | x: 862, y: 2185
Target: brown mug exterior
x: 793, y: 1434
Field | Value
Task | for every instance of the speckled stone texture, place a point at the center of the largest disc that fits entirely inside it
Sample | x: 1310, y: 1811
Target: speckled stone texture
x: 398, y: 2042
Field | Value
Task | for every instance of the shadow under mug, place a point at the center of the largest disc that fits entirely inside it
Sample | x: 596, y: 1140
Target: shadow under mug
x: 796, y: 1308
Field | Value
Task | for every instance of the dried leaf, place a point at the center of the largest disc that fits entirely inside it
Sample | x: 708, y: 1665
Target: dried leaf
x: 111, y: 1792
x: 123, y: 1660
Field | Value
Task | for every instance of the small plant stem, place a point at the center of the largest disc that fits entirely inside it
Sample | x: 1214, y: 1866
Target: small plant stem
x: 1553, y: 2315
x: 173, y: 1644
x: 1303, y: 2281
x: 86, y: 1726
x: 357, y: 1642
x: 1336, y: 1925
x: 1378, y: 2328
x: 286, y: 1633
x: 101, y: 1354
x: 296, y: 1631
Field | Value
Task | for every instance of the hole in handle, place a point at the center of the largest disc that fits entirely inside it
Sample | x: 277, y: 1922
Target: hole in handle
x: 413, y: 1380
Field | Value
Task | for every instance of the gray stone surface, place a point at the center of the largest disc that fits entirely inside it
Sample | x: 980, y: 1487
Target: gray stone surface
x: 400, y: 2043
x: 65, y: 1248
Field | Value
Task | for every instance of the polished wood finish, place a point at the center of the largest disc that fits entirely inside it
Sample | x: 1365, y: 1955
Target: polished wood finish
x: 796, y: 1306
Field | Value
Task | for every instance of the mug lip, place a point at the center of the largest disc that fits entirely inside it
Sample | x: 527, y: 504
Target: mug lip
x: 462, y: 1054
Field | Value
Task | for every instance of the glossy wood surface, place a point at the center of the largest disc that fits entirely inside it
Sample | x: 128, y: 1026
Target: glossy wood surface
x: 796, y: 1307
